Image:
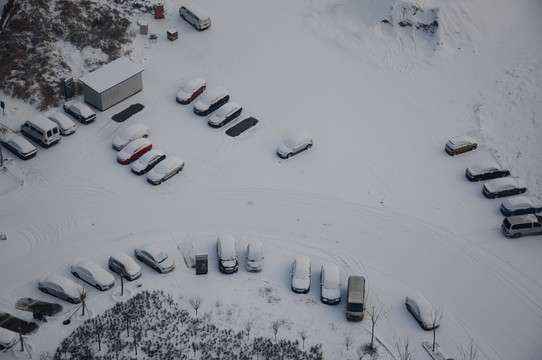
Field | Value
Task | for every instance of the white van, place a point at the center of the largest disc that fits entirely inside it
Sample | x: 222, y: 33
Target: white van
x: 195, y: 17
x: 41, y: 129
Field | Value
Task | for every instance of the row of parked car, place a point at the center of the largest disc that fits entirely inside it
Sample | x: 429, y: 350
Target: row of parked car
x: 520, y: 211
x: 216, y: 102
x: 96, y: 276
x: 135, y: 148
x: 46, y: 129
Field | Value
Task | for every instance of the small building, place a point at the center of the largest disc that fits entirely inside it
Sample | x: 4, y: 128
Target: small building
x: 159, y: 12
x: 172, y: 34
x: 143, y: 27
x: 112, y: 83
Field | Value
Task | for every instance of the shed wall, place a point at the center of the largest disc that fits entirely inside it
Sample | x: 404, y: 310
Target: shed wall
x: 92, y: 97
x: 115, y: 94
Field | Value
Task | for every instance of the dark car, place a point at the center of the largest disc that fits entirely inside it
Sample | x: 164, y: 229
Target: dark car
x: 146, y: 162
x: 503, y: 187
x: 225, y: 114
x: 210, y: 101
x: 521, y: 205
x: 19, y: 146
x: 486, y: 170
x: 80, y: 111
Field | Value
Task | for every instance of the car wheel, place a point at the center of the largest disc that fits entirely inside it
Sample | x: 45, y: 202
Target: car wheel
x: 138, y: 257
x: 308, y: 146
x: 70, y: 300
x: 99, y: 287
x: 474, y: 147
x: 76, y: 275
x: 161, y: 181
x: 516, y: 235
x: 289, y: 155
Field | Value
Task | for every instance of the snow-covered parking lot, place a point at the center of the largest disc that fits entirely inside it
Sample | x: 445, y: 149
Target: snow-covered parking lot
x: 376, y: 195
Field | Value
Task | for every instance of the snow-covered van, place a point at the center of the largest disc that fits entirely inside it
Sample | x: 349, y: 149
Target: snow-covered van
x: 195, y: 17
x: 355, y: 298
x: 41, y: 129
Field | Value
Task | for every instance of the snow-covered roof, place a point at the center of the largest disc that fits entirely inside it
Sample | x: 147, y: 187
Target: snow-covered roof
x: 111, y: 74
x: 484, y: 166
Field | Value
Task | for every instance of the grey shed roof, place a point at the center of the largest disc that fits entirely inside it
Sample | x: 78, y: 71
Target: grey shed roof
x: 111, y: 74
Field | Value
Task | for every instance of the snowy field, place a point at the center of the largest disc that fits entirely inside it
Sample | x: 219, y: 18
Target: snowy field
x: 376, y: 195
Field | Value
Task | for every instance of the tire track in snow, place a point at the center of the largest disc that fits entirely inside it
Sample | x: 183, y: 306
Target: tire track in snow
x: 521, y: 285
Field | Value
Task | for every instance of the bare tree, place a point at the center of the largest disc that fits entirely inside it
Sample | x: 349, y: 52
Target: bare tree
x: 82, y: 293
x: 436, y: 318
x: 303, y: 336
x: 99, y: 329
x: 137, y: 338
x: 127, y: 316
x: 376, y: 312
x: 276, y: 325
x: 195, y: 302
x: 469, y: 354
x: 121, y: 285
x: 46, y: 356
x: 248, y: 327
x: 348, y: 340
x: 404, y: 350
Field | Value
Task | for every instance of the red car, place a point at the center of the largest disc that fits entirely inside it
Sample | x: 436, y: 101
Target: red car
x: 134, y: 150
x: 191, y: 90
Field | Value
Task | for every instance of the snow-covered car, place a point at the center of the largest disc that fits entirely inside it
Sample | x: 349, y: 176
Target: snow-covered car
x: 503, y: 187
x: 155, y: 257
x: 134, y: 150
x: 422, y: 310
x: 254, y: 259
x: 129, y: 134
x: 227, y: 254
x: 164, y: 170
x: 8, y: 338
x: 124, y: 265
x: 294, y: 145
x: 61, y: 287
x: 147, y: 161
x: 521, y: 205
x: 190, y: 90
x: 225, y: 114
x: 301, y: 274
x: 93, y: 274
x: 486, y: 170
x: 460, y: 144
x: 210, y: 101
x: 330, y: 284
x: 80, y: 111
x: 19, y: 146
x: 64, y: 123
x: 519, y: 225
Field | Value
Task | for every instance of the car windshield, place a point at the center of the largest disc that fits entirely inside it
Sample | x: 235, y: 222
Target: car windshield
x: 357, y: 307
x: 160, y: 257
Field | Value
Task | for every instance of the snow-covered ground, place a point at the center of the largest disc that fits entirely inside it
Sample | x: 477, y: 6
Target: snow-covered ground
x: 376, y: 194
